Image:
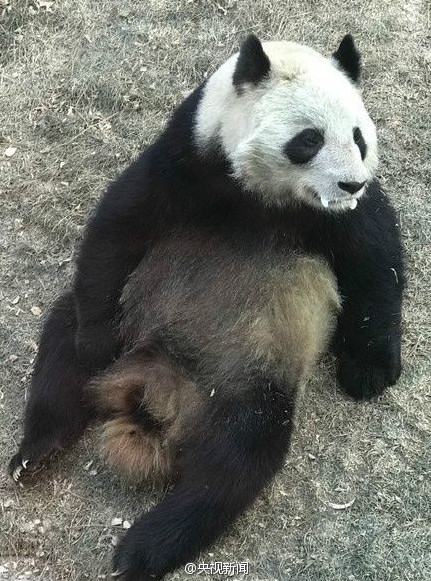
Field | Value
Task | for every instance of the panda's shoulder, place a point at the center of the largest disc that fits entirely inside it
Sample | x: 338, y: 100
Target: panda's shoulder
x: 374, y: 222
x: 376, y: 201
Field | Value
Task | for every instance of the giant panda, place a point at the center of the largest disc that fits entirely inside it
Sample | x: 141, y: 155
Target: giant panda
x: 249, y: 238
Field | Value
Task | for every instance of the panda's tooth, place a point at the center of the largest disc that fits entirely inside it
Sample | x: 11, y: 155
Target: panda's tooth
x: 353, y: 204
x: 325, y: 202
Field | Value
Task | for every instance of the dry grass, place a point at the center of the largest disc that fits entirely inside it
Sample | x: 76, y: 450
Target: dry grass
x: 83, y: 87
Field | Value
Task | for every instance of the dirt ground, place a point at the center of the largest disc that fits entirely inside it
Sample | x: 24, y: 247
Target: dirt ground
x: 84, y: 86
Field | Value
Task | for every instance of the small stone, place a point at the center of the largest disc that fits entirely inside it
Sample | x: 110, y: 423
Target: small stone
x: 10, y: 151
x: 36, y: 311
x: 116, y: 521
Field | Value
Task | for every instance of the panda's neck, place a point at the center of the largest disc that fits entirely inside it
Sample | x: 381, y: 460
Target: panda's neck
x: 208, y: 195
x: 177, y: 154
x: 202, y: 176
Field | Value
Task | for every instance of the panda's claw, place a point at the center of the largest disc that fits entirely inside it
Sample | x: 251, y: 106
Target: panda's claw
x: 17, y: 472
x: 18, y: 466
x: 31, y: 453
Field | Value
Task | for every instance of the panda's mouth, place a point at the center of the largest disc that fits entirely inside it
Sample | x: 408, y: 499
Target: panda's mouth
x: 348, y: 202
x: 338, y: 203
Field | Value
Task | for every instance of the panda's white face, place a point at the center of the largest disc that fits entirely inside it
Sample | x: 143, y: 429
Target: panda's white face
x: 298, y: 134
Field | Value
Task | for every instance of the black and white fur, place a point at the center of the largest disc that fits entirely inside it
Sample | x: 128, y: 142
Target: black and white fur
x: 215, y: 270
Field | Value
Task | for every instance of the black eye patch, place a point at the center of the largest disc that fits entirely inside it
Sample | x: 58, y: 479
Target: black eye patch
x: 358, y: 138
x: 304, y: 146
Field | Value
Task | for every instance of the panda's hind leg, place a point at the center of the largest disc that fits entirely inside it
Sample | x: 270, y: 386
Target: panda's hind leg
x: 57, y: 409
x: 227, y: 452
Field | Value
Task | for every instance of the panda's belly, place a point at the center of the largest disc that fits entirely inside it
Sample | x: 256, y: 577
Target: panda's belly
x: 295, y: 323
x: 205, y: 300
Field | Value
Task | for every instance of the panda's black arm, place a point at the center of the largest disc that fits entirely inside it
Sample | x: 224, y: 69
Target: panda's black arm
x: 370, y: 274
x: 224, y: 464
x: 115, y: 240
x: 159, y: 190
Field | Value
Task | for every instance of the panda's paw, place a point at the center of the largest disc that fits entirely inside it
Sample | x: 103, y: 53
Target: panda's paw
x: 363, y: 379
x: 17, y: 466
x: 29, y: 456
x: 132, y: 558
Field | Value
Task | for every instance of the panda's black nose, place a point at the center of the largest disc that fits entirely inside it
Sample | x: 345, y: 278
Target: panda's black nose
x: 351, y: 187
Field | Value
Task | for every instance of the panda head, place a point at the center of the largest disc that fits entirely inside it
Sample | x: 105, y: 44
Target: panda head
x: 291, y: 123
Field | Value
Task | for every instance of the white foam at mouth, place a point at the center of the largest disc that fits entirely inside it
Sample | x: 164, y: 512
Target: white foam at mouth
x: 325, y: 202
x: 353, y: 204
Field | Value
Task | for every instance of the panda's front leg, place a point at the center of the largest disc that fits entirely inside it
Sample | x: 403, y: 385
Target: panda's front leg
x: 368, y: 362
x: 368, y: 336
x: 57, y: 410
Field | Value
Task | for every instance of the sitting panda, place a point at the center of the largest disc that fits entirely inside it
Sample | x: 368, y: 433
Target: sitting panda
x: 247, y: 239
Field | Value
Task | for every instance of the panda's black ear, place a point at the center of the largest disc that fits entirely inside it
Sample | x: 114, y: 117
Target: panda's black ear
x: 252, y: 64
x: 348, y: 57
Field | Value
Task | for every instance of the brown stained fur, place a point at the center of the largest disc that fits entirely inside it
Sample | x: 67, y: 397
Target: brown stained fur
x: 150, y: 381
x: 133, y: 452
x: 294, y: 326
